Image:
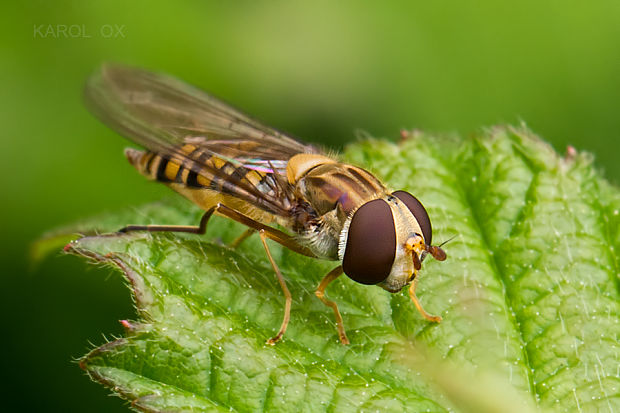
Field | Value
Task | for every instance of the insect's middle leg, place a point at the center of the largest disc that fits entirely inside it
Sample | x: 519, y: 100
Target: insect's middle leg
x: 287, y: 293
x: 320, y: 293
x: 245, y: 235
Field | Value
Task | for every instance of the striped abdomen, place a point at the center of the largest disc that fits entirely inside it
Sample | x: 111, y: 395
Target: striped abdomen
x: 202, y: 182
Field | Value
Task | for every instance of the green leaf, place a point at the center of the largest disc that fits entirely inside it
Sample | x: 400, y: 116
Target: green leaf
x: 529, y: 297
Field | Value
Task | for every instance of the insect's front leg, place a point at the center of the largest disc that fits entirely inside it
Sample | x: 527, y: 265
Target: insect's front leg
x: 416, y: 302
x: 320, y: 293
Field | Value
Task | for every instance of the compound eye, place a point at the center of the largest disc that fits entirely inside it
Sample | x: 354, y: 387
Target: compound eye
x: 418, y: 211
x: 371, y: 243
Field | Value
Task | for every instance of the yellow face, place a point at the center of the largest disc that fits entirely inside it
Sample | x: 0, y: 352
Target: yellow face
x: 416, y: 247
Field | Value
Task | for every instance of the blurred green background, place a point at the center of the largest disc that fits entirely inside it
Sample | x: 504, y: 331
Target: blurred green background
x: 320, y: 70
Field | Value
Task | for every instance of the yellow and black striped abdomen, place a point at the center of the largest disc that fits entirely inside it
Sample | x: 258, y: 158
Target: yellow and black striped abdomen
x: 169, y: 170
x: 218, y: 180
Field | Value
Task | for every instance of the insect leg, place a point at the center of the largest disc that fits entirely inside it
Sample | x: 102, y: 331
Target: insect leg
x: 269, y: 232
x: 265, y: 233
x: 287, y: 293
x: 246, y: 234
x: 414, y: 298
x: 320, y: 293
x: 200, y: 229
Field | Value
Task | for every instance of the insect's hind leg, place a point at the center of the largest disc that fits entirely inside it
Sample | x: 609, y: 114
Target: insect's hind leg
x: 266, y: 232
x: 192, y: 229
x: 269, y: 232
x: 200, y: 229
x: 320, y: 293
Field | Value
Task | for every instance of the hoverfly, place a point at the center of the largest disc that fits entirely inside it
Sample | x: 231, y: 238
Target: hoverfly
x: 231, y: 165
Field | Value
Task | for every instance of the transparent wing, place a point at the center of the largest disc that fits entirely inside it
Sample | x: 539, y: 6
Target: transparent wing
x: 163, y: 114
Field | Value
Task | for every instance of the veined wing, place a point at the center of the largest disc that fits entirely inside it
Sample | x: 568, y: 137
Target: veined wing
x: 165, y: 115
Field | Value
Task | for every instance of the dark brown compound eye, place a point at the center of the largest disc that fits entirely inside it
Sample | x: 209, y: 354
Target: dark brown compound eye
x: 371, y: 243
x: 418, y: 211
